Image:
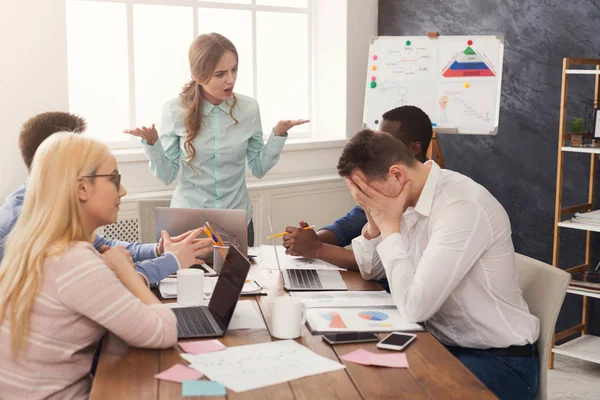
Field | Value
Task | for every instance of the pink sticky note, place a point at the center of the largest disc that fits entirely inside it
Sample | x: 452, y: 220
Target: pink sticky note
x: 363, y: 357
x: 360, y: 356
x: 179, y: 373
x: 201, y: 346
x: 394, y: 360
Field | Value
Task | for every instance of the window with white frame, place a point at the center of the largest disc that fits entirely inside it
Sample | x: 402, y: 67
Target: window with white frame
x: 126, y: 58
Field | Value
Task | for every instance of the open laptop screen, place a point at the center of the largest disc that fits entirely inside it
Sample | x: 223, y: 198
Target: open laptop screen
x: 229, y: 286
x: 180, y: 220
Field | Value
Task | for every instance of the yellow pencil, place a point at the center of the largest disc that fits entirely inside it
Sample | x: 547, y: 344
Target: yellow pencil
x: 221, y: 242
x: 208, y: 234
x: 215, y: 235
x: 285, y: 233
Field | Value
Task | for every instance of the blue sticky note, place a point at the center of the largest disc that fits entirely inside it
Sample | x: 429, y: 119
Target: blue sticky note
x: 202, y: 388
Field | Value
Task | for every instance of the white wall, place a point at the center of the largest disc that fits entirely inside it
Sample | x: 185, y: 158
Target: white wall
x: 33, y: 74
x: 362, y: 25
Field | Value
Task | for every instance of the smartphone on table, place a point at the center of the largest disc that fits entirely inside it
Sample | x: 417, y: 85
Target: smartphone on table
x: 397, y: 341
x: 350, y: 337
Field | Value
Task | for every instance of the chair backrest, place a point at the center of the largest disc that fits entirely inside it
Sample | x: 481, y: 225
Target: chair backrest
x: 544, y: 288
x: 146, y: 219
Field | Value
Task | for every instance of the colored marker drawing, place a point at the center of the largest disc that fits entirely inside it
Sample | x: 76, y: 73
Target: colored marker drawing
x: 408, y: 62
x: 466, y: 64
x: 398, y: 92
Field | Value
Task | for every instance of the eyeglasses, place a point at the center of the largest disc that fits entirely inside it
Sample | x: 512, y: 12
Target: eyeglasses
x: 117, y: 177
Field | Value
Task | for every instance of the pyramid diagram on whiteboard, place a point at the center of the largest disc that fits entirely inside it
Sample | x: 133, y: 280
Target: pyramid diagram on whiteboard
x: 468, y: 64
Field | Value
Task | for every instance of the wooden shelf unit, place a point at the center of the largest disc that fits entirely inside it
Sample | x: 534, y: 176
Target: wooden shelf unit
x: 586, y: 346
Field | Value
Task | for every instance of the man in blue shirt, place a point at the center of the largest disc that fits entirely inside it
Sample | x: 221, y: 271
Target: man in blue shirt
x: 410, y: 125
x: 155, y: 261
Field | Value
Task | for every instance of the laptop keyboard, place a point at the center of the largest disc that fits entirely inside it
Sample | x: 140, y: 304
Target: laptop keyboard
x: 304, y: 278
x: 192, y: 322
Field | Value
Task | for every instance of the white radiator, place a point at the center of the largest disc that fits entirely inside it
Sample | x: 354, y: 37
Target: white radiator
x: 126, y: 230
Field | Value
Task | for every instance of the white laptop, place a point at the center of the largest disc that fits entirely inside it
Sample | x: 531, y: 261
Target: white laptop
x: 308, y: 279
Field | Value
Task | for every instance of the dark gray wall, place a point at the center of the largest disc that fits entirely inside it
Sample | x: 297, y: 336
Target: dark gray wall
x: 518, y: 166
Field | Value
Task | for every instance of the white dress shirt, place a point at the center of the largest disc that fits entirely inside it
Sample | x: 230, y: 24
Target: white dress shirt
x: 452, y: 266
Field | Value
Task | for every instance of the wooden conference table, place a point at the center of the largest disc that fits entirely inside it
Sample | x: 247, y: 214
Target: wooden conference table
x: 433, y: 372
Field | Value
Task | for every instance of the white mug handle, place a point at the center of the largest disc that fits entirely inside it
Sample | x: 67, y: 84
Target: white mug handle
x: 303, y: 314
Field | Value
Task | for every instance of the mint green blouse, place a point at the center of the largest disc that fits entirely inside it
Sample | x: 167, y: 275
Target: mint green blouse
x: 222, y: 148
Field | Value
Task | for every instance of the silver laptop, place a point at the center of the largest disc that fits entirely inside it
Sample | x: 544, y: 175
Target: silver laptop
x: 213, y: 320
x: 308, y: 279
x: 180, y: 220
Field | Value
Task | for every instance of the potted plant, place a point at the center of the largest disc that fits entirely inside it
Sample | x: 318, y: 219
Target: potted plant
x: 576, y: 131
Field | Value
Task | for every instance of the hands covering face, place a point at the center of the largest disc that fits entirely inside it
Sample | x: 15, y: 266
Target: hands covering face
x: 383, y: 212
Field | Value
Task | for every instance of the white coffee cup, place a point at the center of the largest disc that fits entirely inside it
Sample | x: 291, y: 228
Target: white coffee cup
x: 190, y: 287
x: 287, y: 317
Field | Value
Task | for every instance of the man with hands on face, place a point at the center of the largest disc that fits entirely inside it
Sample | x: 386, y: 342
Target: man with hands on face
x: 411, y: 126
x: 445, y: 244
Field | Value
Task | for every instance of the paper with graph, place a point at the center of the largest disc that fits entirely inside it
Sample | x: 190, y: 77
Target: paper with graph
x: 324, y: 320
x: 242, y: 368
x: 362, y: 298
x: 456, y: 80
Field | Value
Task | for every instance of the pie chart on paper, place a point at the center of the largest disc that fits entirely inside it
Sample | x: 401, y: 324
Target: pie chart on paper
x: 373, y: 315
x: 335, y: 319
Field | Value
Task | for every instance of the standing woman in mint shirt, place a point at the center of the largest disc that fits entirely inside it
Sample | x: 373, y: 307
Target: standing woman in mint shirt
x: 210, y: 132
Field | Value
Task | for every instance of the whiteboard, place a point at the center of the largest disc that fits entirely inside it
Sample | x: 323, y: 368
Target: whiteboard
x: 456, y: 80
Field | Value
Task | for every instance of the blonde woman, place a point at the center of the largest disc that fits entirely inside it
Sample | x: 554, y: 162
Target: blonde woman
x: 214, y: 131
x: 58, y: 295
x: 155, y: 260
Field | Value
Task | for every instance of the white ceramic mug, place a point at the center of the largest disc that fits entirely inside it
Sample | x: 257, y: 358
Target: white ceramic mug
x: 287, y: 317
x: 190, y: 287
